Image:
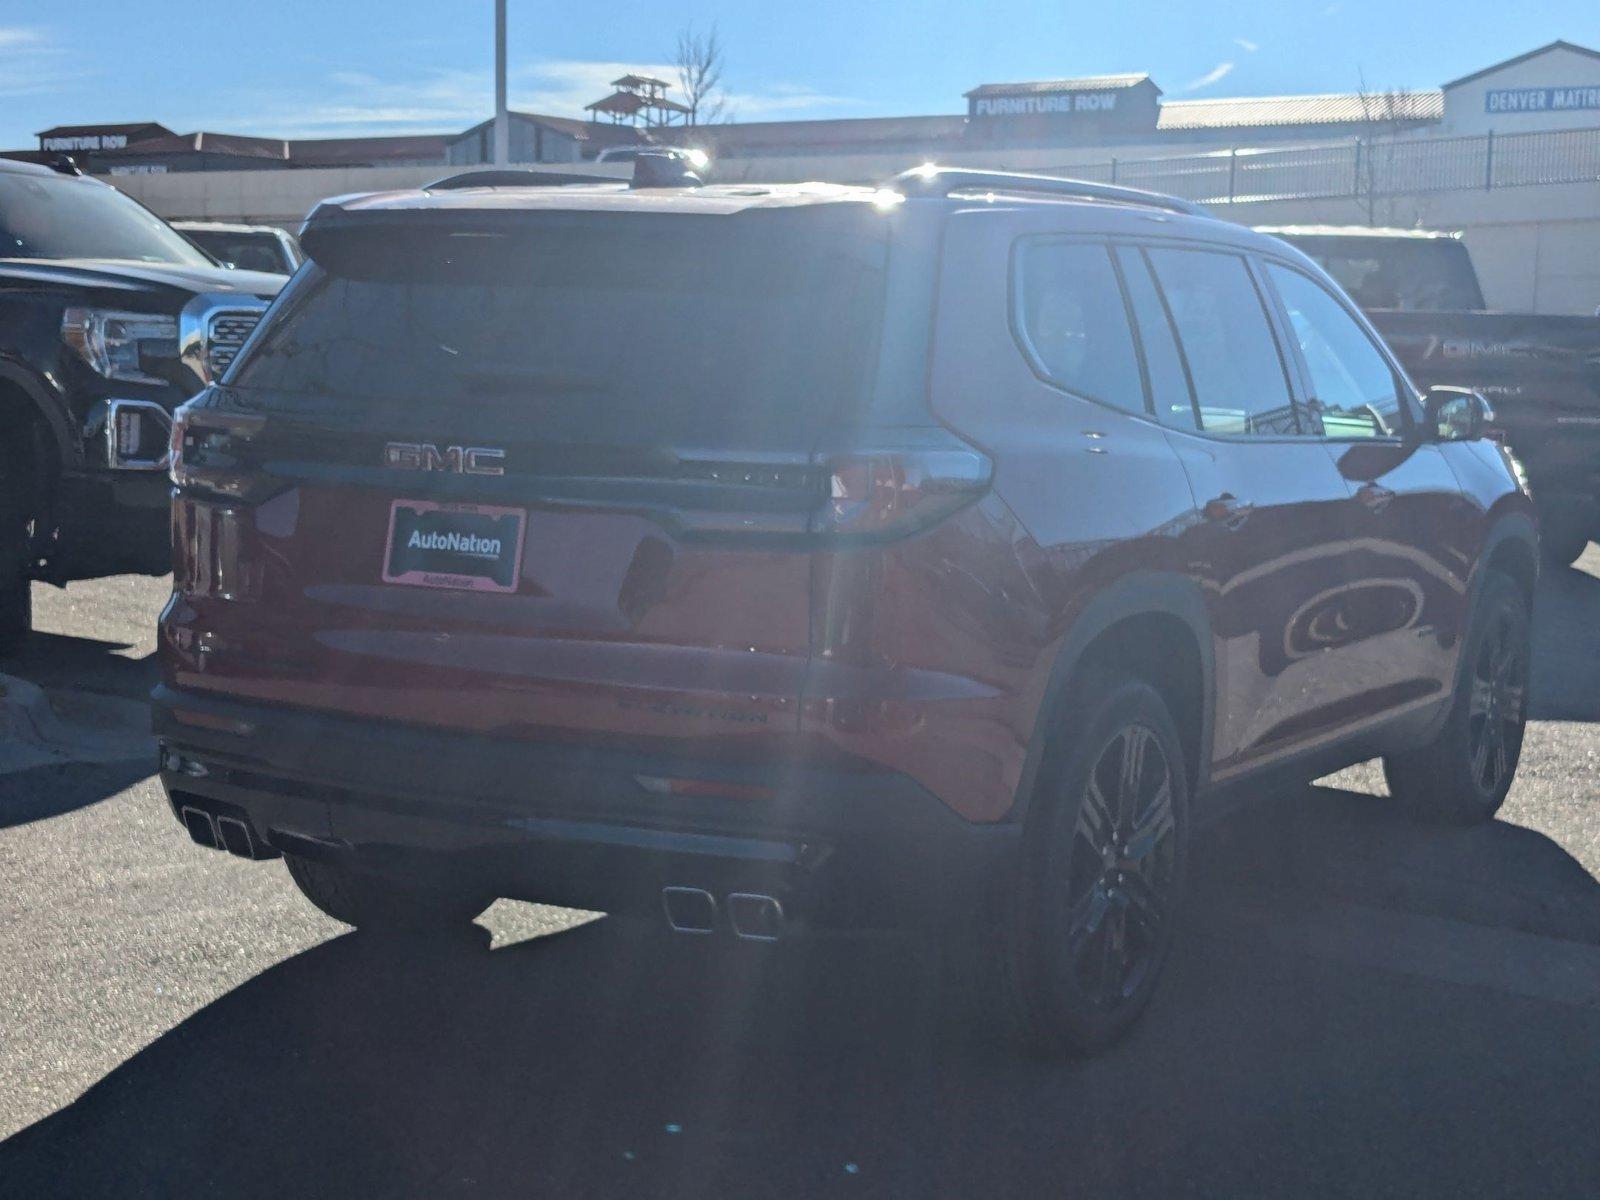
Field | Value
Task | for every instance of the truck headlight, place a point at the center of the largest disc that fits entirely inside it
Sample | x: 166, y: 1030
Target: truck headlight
x: 117, y: 344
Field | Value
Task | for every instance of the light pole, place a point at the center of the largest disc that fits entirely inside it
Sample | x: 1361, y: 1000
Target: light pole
x: 502, y: 126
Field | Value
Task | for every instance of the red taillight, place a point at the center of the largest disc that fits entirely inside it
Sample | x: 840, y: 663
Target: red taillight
x: 891, y: 492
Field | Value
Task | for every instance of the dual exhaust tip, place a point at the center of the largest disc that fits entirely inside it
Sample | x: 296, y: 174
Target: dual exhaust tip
x: 753, y: 916
x: 223, y: 833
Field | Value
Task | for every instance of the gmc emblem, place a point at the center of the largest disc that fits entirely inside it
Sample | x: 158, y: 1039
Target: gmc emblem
x: 463, y: 460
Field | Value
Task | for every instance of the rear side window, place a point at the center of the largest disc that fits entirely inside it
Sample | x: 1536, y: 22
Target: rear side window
x: 1169, y: 386
x: 1074, y: 324
x: 747, y: 330
x: 1238, y: 376
x: 1354, y: 390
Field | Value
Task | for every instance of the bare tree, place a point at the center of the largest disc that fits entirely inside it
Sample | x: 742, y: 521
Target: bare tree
x: 698, y: 59
x: 1386, y: 113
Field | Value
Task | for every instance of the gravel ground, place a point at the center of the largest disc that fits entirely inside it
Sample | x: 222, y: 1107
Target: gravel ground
x: 1360, y: 1006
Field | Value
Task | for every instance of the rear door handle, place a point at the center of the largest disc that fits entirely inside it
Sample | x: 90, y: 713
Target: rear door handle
x: 1374, y: 497
x: 1227, y: 509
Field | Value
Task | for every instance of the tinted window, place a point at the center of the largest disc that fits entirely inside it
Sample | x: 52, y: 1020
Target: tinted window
x: 1227, y: 342
x: 246, y: 251
x: 635, y: 328
x: 60, y: 216
x: 1169, y: 386
x: 1074, y: 322
x: 1354, y: 391
x: 1411, y: 274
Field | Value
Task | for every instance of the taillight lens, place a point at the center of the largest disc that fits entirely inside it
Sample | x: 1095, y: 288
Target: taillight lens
x: 891, y: 492
x: 212, y: 451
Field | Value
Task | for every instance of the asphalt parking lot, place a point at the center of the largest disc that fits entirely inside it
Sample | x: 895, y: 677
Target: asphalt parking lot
x: 1361, y: 1006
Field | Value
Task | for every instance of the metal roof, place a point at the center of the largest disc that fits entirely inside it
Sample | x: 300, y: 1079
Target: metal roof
x: 1083, y: 83
x: 236, y: 144
x: 1331, y: 108
x: 340, y: 151
x: 577, y: 128
x: 127, y: 127
x: 1558, y: 44
x: 845, y: 132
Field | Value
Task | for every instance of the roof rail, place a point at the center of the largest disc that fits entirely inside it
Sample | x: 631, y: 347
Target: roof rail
x: 514, y: 177
x: 941, y: 181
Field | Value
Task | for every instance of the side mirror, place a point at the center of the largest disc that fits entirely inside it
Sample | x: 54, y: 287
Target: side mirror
x: 1455, y: 414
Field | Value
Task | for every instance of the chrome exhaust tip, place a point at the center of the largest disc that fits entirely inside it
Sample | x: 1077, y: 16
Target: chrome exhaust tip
x: 756, y: 918
x: 690, y: 910
x: 200, y: 826
x: 235, y: 837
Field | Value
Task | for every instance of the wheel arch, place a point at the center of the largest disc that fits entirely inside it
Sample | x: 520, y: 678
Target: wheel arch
x: 1511, y: 546
x: 1155, y: 625
x: 21, y: 390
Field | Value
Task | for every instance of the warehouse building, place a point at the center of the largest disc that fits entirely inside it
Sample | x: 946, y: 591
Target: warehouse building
x: 1017, y: 124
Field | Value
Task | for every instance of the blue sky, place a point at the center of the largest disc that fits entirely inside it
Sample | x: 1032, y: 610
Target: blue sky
x: 309, y: 68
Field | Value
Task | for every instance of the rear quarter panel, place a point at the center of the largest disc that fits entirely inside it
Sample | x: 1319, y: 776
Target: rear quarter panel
x: 1083, y: 495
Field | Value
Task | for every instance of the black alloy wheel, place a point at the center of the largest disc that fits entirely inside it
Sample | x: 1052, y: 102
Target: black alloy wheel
x: 1463, y: 775
x: 1123, y: 868
x: 1497, y: 701
x: 1090, y: 919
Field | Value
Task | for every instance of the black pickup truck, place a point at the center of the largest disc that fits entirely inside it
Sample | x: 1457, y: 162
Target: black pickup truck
x: 1541, y: 373
x: 109, y: 320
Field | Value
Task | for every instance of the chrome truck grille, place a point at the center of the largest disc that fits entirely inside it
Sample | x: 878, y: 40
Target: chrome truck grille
x: 225, y: 334
x: 213, y: 327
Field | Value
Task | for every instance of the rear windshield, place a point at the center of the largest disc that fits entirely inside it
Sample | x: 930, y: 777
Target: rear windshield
x: 1409, y: 274
x: 639, y: 328
x: 246, y: 251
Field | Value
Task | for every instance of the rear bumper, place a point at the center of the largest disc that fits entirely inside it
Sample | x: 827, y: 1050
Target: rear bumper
x: 575, y: 825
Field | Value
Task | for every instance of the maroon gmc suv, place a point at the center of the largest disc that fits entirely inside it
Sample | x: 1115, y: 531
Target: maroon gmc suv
x: 815, y: 555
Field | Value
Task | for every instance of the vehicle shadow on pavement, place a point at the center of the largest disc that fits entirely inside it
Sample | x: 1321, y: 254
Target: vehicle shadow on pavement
x: 1566, y: 647
x: 54, y: 660
x: 1360, y: 1006
x: 51, y: 789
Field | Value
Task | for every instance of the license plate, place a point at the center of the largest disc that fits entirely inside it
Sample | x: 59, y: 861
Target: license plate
x: 468, y: 547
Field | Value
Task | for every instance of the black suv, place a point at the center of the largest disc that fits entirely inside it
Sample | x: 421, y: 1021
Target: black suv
x: 108, y: 321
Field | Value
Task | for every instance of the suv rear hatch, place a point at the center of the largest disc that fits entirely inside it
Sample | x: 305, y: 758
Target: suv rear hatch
x: 533, y: 473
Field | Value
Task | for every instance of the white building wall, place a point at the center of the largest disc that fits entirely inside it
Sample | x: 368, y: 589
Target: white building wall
x: 1466, y: 105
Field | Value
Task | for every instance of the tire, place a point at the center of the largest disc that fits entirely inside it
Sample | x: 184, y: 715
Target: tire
x: 1463, y: 777
x: 16, y: 587
x: 378, y: 903
x: 1088, y: 927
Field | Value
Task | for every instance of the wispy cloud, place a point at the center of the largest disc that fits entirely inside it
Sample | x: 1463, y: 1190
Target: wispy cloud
x: 1247, y: 45
x: 32, y: 62
x: 358, y: 102
x: 1214, y: 75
